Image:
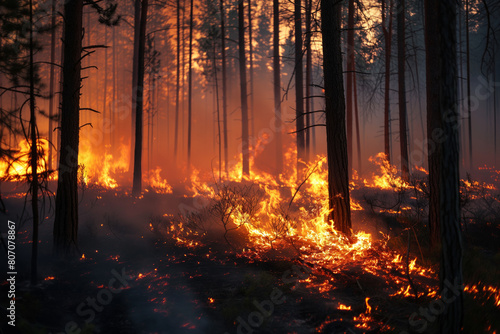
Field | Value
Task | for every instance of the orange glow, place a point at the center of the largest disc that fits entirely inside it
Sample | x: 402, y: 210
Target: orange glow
x: 368, y: 307
x: 20, y: 166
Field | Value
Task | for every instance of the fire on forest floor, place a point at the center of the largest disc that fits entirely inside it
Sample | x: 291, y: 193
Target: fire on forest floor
x: 232, y: 244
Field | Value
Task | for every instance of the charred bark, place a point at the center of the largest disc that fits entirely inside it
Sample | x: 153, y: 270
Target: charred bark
x: 137, y: 183
x: 403, y: 136
x: 243, y: 89
x: 66, y: 213
x: 387, y: 31
x: 338, y: 178
x: 277, y: 86
x: 299, y: 88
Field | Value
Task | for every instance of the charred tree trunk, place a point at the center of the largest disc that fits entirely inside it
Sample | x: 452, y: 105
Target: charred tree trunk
x: 277, y: 85
x: 105, y: 100
x: 190, y: 81
x: 356, y: 115
x: 243, y: 86
x: 308, y: 77
x: 433, y: 116
x: 469, y: 116
x: 52, y: 82
x: 224, y: 84
x: 338, y: 175
x: 66, y: 213
x: 113, y: 109
x: 403, y: 139
x: 449, y: 208
x: 387, y: 30
x: 137, y: 184
x: 33, y: 157
x: 250, y: 56
x: 135, y: 65
x: 299, y: 88
x: 178, y: 74
x: 349, y: 80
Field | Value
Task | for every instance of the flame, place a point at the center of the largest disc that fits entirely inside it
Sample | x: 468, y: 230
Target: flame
x: 343, y: 307
x: 158, y: 184
x: 387, y: 177
x: 368, y: 307
x: 19, y: 167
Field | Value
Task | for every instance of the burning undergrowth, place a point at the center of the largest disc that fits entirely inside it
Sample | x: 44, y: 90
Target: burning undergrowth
x: 263, y: 220
x: 259, y: 255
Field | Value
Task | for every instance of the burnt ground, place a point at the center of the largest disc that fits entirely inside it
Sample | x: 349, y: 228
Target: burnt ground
x: 165, y: 287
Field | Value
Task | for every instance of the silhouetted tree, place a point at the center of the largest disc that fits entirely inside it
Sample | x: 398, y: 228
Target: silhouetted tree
x: 137, y: 182
x: 243, y: 89
x: 338, y: 178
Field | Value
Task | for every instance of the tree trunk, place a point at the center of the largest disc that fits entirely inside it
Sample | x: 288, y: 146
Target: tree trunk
x: 387, y: 29
x: 433, y: 116
x: 34, y: 157
x: 403, y: 139
x: 66, y: 213
x: 137, y: 20
x: 349, y: 80
x: 105, y: 100
x: 449, y: 210
x: 243, y: 86
x: 250, y: 56
x: 495, y: 109
x: 338, y: 178
x: 51, y: 82
x: 356, y: 114
x: 469, y: 118
x: 113, y: 109
x: 178, y: 72
x: 299, y: 89
x: 277, y: 86
x: 308, y: 78
x: 137, y: 184
x: 224, y: 84
x: 190, y: 81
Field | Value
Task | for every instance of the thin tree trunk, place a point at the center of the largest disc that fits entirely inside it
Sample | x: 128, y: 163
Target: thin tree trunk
x: 469, y: 118
x: 52, y: 82
x: 113, y: 110
x: 178, y: 72
x: 183, y: 76
x: 356, y: 114
x: 277, y: 86
x: 66, y: 215
x: 137, y: 184
x: 105, y: 100
x: 250, y: 56
x: 433, y: 116
x: 338, y: 175
x: 34, y: 158
x: 243, y: 86
x: 495, y: 108
x: 299, y: 88
x: 349, y: 80
x: 218, y: 114
x: 403, y: 139
x: 135, y: 65
x: 224, y: 84
x: 190, y: 81
x: 387, y: 29
x: 449, y: 212
x: 308, y: 78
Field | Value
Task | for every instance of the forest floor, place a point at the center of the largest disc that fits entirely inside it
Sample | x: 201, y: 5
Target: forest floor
x: 133, y: 277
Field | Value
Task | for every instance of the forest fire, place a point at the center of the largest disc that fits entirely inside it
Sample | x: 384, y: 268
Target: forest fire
x: 211, y: 166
